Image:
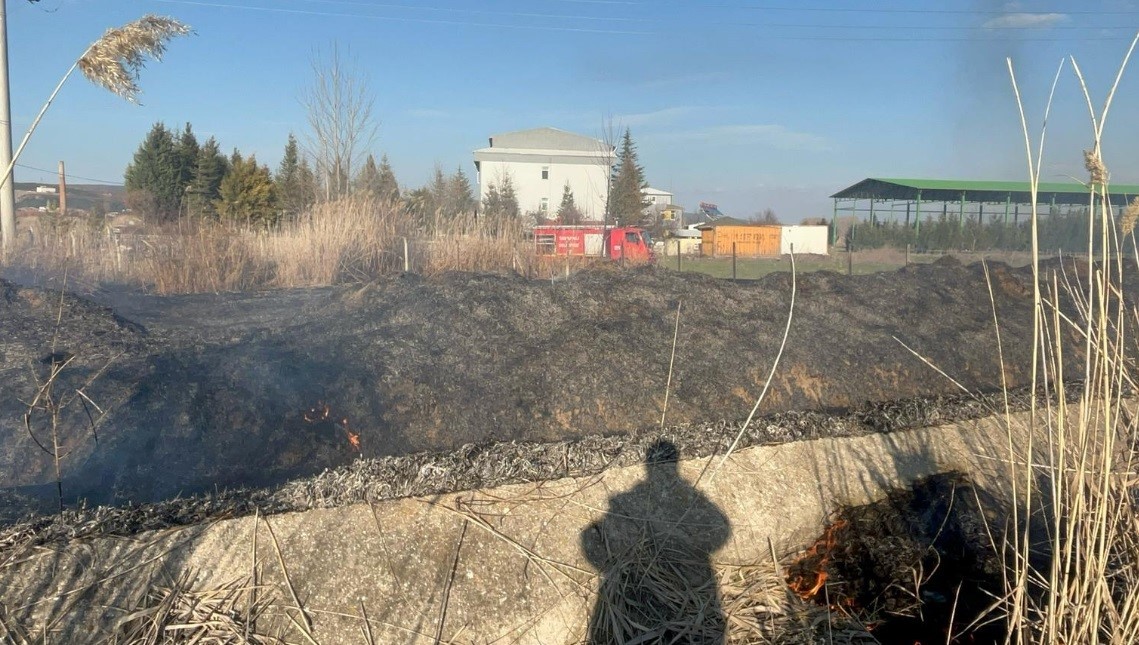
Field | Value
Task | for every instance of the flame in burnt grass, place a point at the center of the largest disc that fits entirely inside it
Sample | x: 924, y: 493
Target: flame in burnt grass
x: 323, y: 412
x: 811, y: 567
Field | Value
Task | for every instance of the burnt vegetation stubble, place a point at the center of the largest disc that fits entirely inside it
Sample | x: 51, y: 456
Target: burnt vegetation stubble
x: 210, y: 392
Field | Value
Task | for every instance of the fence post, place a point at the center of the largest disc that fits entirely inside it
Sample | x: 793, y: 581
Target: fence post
x: 678, y: 256
x: 406, y: 263
x: 733, y: 260
x: 850, y: 261
x: 907, y: 255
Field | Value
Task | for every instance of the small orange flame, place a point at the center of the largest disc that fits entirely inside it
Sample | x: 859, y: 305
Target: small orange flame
x: 321, y: 412
x: 808, y: 583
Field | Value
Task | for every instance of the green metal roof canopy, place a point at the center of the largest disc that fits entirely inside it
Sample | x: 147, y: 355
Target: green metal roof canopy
x: 948, y: 190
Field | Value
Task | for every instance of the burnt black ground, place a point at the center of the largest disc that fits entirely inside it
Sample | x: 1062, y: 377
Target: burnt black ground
x: 919, y: 566
x: 209, y: 392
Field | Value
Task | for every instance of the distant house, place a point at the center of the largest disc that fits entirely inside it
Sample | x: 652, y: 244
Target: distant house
x: 46, y: 190
x: 541, y: 162
x: 657, y: 199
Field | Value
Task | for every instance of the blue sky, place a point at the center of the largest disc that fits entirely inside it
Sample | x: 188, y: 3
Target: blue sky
x: 747, y: 103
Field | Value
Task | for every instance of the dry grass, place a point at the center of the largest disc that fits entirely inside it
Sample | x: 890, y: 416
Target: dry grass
x: 350, y: 240
x: 173, y: 612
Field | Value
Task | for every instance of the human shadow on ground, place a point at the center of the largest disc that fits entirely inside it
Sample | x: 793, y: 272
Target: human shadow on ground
x: 653, y: 549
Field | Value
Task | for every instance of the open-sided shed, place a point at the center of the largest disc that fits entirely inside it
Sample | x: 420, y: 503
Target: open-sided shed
x: 892, y: 199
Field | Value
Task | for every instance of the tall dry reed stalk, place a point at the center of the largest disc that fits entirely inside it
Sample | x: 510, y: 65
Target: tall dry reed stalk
x: 1079, y: 583
x: 114, y: 62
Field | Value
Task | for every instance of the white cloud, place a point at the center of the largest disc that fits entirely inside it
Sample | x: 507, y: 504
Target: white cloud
x: 759, y: 134
x: 685, y: 81
x: 656, y: 117
x: 1025, y: 21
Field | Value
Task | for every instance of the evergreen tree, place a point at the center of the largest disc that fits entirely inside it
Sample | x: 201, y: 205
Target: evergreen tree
x: 568, y: 212
x: 367, y: 181
x: 501, y: 203
x: 626, y: 196
x: 247, y: 193
x: 187, y: 158
x: 388, y: 188
x: 308, y: 188
x: 295, y: 181
x: 152, y: 180
x: 210, y: 168
x: 460, y: 194
x: 419, y: 203
x: 438, y: 190
x: 510, y: 206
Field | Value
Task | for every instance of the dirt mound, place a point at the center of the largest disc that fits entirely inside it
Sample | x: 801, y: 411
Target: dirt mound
x: 218, y: 391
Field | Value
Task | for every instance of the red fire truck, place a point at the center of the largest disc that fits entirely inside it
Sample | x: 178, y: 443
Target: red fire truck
x: 614, y: 242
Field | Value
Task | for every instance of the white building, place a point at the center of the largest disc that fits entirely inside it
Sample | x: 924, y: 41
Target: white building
x: 540, y: 162
x: 657, y: 198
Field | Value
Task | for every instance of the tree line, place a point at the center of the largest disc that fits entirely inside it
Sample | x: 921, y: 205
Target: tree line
x: 174, y: 176
x: 1056, y: 230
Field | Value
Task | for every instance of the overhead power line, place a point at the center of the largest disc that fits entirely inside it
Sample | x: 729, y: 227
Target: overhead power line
x: 437, y: 21
x: 70, y: 175
x: 661, y: 20
x: 983, y: 33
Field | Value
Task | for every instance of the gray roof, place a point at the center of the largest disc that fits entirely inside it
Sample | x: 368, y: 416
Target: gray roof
x: 546, y: 139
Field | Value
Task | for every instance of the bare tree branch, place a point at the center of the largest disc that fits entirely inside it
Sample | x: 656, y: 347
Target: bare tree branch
x: 341, y: 127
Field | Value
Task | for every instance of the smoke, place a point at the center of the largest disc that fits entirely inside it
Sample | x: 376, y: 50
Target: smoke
x: 981, y: 102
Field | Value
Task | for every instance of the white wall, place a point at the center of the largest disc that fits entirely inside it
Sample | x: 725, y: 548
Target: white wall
x: 807, y: 239
x: 587, y: 180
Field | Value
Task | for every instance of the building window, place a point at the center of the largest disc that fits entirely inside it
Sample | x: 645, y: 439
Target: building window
x: 544, y: 205
x: 545, y: 172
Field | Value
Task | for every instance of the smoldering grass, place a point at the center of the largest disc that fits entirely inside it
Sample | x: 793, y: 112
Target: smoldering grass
x: 374, y: 479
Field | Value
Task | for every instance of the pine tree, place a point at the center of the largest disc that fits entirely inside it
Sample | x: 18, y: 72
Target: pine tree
x: 152, y: 180
x: 438, y: 190
x: 460, y: 194
x: 510, y: 208
x: 368, y: 181
x: 294, y: 181
x: 492, y: 201
x: 247, y: 193
x: 308, y: 190
x: 209, y: 170
x: 187, y: 158
x: 626, y: 196
x: 389, y: 188
x: 568, y: 212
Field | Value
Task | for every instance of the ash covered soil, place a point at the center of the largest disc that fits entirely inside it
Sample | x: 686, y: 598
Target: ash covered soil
x: 200, y: 393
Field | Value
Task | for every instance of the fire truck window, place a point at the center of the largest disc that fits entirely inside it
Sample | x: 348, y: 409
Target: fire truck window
x: 632, y: 237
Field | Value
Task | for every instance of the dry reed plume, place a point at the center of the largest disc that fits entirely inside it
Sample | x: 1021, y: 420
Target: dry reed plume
x: 115, y: 60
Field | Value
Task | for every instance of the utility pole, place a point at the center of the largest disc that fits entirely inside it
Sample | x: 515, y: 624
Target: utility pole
x: 8, y: 187
x: 62, y: 191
